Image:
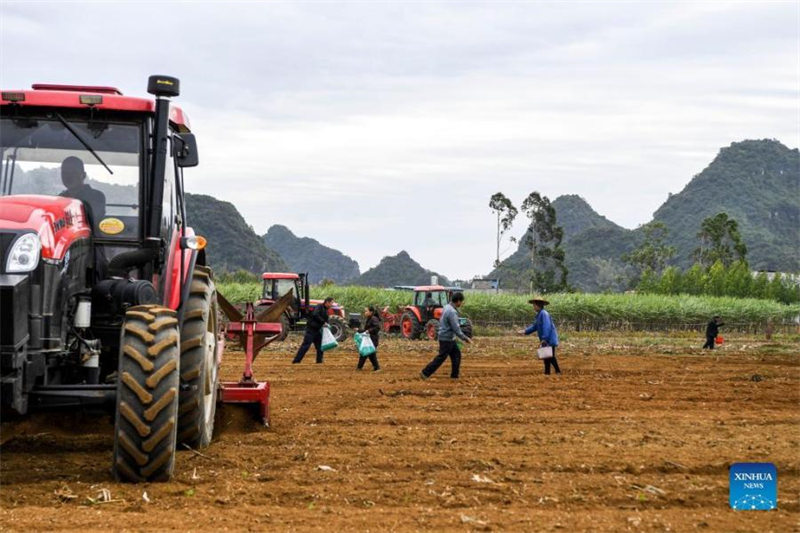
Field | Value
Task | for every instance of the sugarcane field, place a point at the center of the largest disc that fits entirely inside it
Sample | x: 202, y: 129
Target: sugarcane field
x: 431, y: 266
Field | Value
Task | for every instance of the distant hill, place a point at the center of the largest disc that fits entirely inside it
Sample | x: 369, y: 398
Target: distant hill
x: 232, y: 244
x: 308, y: 255
x: 397, y: 270
x: 755, y: 182
x: 575, y: 216
x: 758, y: 184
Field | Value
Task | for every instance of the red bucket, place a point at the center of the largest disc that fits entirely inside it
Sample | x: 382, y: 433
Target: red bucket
x: 719, y: 340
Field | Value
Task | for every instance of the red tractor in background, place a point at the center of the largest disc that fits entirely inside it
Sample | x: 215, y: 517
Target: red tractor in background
x: 277, y: 284
x: 421, y: 319
x: 106, y: 299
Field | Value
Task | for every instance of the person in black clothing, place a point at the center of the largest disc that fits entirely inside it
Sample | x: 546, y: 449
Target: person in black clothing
x: 372, y: 325
x: 712, y: 330
x: 73, y: 177
x: 429, y: 304
x: 316, y: 321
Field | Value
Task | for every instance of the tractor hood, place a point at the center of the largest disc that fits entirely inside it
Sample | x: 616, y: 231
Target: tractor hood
x: 58, y: 221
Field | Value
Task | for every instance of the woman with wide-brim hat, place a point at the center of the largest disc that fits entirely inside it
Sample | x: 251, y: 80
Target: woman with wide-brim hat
x: 546, y: 330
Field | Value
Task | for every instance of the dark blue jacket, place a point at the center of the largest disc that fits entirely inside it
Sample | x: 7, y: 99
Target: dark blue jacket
x: 543, y: 325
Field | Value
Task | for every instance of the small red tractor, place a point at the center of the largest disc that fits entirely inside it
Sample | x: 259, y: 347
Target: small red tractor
x: 421, y: 319
x: 106, y: 298
x: 278, y: 284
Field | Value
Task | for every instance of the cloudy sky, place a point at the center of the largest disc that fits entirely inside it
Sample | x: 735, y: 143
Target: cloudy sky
x: 376, y: 127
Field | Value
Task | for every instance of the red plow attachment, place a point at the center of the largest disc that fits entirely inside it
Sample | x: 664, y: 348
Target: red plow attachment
x: 255, y: 331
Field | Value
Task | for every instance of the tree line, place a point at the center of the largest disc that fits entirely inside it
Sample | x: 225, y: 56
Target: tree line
x: 543, y: 237
x: 720, y: 268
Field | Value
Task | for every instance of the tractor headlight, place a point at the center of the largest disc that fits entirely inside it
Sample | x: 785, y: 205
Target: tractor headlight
x: 24, y: 253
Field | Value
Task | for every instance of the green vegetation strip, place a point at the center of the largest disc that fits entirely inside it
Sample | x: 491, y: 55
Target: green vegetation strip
x: 589, y: 309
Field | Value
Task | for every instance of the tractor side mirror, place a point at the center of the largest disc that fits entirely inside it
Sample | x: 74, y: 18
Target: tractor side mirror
x: 186, y: 150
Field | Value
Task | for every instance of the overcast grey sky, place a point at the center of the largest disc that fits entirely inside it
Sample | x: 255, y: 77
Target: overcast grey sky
x: 377, y: 127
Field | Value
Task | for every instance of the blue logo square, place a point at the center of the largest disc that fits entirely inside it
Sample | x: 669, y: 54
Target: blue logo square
x: 753, y: 486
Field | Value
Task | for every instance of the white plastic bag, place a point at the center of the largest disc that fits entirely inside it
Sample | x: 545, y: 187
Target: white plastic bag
x: 545, y: 352
x: 365, y: 345
x: 328, y: 340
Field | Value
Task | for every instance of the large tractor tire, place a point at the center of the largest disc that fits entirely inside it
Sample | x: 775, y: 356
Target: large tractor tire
x: 432, y: 329
x: 338, y: 327
x: 199, y: 365
x: 286, y: 327
x: 410, y: 327
x: 146, y: 424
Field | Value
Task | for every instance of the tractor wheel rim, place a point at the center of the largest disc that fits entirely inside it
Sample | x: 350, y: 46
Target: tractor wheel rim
x: 406, y: 327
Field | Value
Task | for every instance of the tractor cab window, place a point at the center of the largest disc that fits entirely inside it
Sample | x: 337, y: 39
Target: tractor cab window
x: 275, y: 288
x: 431, y: 299
x: 283, y: 286
x: 45, y: 156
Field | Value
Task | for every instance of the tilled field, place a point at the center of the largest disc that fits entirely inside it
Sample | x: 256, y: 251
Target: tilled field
x: 636, y: 435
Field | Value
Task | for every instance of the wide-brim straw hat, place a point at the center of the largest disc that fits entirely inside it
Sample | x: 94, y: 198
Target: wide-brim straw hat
x: 540, y: 301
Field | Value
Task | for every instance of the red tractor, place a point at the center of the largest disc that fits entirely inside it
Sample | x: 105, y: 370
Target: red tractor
x: 277, y: 284
x: 421, y: 319
x: 106, y: 299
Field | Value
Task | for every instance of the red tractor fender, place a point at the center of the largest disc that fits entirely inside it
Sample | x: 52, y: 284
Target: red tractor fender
x: 334, y: 309
x: 339, y: 311
x: 413, y: 310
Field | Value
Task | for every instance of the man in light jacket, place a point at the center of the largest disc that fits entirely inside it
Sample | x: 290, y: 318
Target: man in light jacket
x: 449, y: 329
x: 544, y: 327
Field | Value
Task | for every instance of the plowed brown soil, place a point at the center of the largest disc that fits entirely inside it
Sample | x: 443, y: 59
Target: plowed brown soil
x: 636, y: 435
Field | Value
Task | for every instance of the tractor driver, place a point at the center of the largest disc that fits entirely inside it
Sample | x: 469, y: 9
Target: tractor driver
x: 429, y: 303
x: 73, y: 177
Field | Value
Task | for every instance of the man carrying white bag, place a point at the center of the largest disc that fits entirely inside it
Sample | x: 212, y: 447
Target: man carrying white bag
x: 548, y: 337
x: 316, y: 329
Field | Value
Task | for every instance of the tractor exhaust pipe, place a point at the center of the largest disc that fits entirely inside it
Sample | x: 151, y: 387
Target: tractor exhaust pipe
x: 163, y: 87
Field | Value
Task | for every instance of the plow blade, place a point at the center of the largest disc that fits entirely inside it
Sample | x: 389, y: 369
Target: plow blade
x: 228, y: 309
x: 273, y: 312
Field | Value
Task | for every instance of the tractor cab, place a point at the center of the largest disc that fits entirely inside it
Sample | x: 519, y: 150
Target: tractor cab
x: 277, y: 284
x: 95, y: 145
x: 430, y: 300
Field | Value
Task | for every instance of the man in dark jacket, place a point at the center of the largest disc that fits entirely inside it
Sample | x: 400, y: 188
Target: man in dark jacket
x: 712, y: 330
x: 316, y: 321
x: 73, y: 177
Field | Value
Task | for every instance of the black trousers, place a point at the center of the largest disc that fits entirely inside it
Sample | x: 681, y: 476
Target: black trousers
x: 446, y: 349
x: 373, y: 358
x: 311, y: 337
x: 551, y: 361
x: 709, y: 342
